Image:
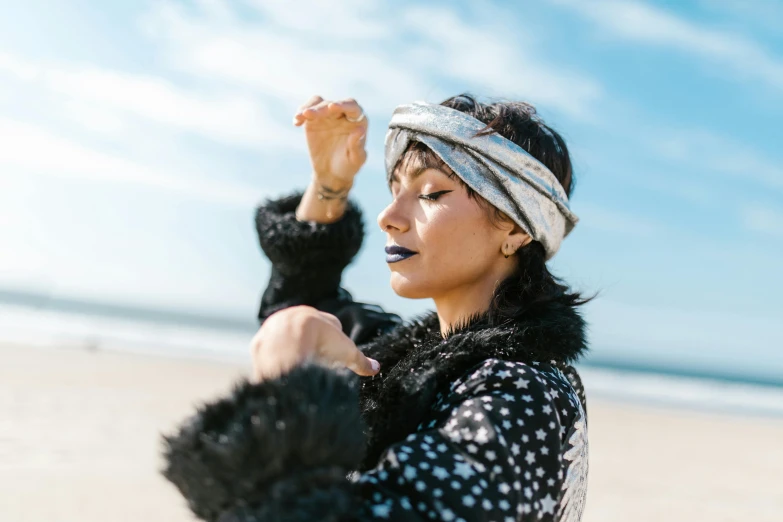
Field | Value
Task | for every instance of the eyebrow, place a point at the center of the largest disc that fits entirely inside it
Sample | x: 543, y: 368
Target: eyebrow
x: 418, y: 172
x: 413, y: 175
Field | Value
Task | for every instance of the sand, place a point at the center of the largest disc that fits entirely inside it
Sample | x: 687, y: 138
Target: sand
x: 79, y: 441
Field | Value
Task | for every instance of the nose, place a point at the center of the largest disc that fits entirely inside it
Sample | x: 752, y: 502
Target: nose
x: 391, y: 218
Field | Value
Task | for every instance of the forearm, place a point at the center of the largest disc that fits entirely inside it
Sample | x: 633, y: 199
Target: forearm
x: 324, y: 201
x: 307, y: 258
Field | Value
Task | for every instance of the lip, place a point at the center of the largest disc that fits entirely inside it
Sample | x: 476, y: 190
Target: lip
x: 395, y: 253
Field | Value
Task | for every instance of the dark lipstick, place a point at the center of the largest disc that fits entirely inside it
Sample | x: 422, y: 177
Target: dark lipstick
x: 396, y: 253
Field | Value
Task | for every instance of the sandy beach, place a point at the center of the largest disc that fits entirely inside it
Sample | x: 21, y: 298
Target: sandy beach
x: 79, y: 441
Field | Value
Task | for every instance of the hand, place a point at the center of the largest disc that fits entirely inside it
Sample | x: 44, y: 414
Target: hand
x: 336, y: 145
x: 299, y: 333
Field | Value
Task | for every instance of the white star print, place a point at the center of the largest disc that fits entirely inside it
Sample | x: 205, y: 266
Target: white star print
x: 548, y: 504
x: 463, y: 470
x: 524, y: 417
x: 440, y: 473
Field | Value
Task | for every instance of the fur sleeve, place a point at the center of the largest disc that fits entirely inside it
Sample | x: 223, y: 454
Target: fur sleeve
x: 278, y: 450
x: 307, y: 258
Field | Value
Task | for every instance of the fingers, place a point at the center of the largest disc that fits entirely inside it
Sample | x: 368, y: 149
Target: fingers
x: 337, y: 348
x: 332, y: 319
x: 298, y: 117
x: 364, y: 366
x: 348, y: 108
x: 316, y: 107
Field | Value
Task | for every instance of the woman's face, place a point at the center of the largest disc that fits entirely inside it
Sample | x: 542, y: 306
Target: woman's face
x: 457, y: 248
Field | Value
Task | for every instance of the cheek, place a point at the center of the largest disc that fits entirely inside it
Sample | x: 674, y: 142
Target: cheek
x: 461, y: 234
x: 457, y: 247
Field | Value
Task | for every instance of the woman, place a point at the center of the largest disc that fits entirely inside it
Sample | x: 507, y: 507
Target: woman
x: 475, y: 412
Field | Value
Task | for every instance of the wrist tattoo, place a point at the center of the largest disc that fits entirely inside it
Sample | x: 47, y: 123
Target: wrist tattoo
x: 327, y: 194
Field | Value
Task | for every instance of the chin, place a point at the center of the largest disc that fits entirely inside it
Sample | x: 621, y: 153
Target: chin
x: 405, y: 287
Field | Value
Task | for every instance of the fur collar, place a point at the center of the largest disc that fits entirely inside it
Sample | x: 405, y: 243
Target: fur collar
x: 417, y: 363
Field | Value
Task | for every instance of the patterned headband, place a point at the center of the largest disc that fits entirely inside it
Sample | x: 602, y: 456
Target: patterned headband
x: 498, y: 169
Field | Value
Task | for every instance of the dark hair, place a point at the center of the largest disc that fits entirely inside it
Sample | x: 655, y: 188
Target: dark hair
x: 532, y: 284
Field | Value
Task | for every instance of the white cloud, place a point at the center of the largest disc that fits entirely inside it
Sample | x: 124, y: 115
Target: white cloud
x: 231, y: 119
x: 643, y: 23
x: 226, y: 117
x: 381, y: 56
x: 346, y: 20
x: 31, y: 150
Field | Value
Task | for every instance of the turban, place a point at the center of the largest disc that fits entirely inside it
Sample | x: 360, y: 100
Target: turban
x: 499, y: 170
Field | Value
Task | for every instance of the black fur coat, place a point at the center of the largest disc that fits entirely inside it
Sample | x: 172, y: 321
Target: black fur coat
x: 487, y: 423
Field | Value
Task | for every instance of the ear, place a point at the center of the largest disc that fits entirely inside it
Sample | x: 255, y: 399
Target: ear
x: 517, y: 238
x: 513, y: 240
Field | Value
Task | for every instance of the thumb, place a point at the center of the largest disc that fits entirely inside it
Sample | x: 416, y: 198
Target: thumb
x: 363, y: 365
x: 334, y: 347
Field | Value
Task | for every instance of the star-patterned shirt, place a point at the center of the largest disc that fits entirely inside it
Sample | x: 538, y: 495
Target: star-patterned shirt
x: 506, y: 443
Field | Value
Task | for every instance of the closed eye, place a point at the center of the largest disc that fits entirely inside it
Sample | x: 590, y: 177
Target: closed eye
x: 434, y: 195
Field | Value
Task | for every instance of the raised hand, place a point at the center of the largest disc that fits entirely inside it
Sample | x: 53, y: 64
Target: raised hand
x: 335, y: 132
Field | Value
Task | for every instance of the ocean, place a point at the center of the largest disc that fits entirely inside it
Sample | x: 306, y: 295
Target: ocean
x: 29, y: 320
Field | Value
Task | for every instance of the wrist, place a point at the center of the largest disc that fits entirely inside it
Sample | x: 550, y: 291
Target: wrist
x: 323, y: 202
x: 332, y: 184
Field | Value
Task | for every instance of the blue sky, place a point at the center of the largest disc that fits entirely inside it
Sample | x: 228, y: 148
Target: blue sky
x: 138, y: 136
